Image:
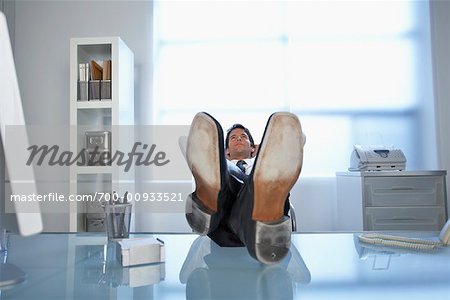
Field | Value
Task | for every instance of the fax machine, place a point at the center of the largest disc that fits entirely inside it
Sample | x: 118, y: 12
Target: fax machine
x: 375, y: 158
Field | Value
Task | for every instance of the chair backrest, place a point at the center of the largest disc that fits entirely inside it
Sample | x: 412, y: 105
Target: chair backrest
x: 182, y: 143
x: 293, y: 217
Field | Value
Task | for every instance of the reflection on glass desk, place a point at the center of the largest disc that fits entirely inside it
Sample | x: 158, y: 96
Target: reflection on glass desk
x: 319, y: 266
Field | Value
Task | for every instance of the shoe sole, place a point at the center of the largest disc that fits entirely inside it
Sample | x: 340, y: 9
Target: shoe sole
x: 198, y: 216
x: 278, y: 166
x: 280, y: 160
x: 203, y: 157
x: 202, y: 154
x: 272, y: 241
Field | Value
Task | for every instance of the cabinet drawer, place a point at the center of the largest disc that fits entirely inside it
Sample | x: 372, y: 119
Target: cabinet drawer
x: 404, y: 218
x: 404, y: 191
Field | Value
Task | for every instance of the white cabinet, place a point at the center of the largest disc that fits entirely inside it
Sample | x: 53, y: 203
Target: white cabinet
x: 391, y: 200
x: 111, y: 114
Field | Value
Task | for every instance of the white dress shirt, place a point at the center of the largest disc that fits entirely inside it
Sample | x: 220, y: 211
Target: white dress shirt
x: 248, y: 166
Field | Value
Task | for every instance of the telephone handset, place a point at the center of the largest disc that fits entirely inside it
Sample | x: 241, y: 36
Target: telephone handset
x: 403, y: 242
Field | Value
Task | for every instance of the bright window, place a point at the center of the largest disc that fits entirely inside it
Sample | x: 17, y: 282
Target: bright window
x: 355, y: 72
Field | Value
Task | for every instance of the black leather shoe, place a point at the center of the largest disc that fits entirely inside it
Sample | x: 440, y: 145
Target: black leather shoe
x: 258, y: 215
x: 205, y: 155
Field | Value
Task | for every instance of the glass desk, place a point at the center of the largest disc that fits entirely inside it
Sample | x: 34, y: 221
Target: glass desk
x: 319, y: 266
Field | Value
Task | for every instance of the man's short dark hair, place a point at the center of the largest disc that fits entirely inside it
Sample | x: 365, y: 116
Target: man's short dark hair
x: 227, y: 139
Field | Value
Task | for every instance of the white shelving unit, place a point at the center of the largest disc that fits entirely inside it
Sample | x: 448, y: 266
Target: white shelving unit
x: 101, y: 115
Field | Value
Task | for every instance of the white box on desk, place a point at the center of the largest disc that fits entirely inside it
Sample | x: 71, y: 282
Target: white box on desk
x: 139, y: 251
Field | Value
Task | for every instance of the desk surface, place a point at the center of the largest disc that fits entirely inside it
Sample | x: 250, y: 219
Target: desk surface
x: 319, y: 266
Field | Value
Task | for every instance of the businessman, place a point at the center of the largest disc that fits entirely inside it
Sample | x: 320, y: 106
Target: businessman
x: 243, y: 200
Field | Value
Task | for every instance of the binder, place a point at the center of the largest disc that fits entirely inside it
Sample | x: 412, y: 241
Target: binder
x: 83, y: 88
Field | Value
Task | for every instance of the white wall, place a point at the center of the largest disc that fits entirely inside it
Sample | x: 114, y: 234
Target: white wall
x: 314, y: 200
x: 43, y: 30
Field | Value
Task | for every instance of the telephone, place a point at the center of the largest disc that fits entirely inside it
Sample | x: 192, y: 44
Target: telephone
x: 403, y: 242
x: 375, y: 158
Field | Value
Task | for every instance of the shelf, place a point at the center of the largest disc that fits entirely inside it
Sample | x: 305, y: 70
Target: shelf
x: 99, y: 115
x: 95, y: 104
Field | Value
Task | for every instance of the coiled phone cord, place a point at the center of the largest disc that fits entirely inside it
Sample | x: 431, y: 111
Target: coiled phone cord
x: 397, y: 241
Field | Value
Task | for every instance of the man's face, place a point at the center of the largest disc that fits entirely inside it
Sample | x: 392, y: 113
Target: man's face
x: 239, y: 146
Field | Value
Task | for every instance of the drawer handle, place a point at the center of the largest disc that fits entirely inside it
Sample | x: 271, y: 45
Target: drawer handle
x: 403, y: 219
x: 399, y: 188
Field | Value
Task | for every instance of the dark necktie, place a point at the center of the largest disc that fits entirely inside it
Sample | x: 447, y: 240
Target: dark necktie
x: 241, y: 165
